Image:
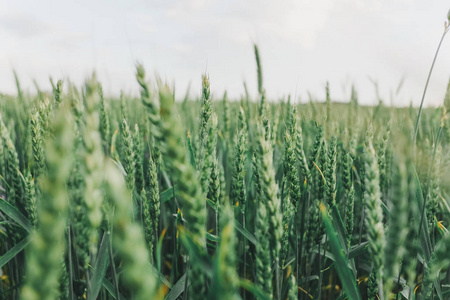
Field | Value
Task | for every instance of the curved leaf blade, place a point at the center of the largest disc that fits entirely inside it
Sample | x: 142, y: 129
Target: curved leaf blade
x: 346, y: 275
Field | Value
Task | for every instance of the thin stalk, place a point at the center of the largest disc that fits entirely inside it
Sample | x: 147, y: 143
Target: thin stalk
x: 416, y: 127
x: 217, y: 222
x: 69, y: 253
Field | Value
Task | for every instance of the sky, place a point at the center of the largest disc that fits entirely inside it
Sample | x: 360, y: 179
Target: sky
x: 303, y: 44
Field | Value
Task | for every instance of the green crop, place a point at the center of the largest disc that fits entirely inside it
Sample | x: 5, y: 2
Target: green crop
x: 212, y: 198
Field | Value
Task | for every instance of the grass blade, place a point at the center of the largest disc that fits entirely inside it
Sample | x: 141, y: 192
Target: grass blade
x: 345, y: 274
x: 212, y: 237
x: 101, y: 265
x: 245, y: 232
x: 167, y: 195
x: 177, y: 289
x: 5, y: 258
x: 110, y: 288
x: 339, y: 226
x: 15, y: 215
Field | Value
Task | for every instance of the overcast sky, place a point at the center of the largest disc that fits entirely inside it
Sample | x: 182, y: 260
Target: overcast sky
x: 303, y: 44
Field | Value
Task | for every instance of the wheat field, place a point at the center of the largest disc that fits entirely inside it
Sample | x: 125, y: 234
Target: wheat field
x: 217, y: 198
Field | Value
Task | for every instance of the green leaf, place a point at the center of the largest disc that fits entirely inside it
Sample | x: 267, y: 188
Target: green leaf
x: 385, y: 209
x: 447, y: 291
x: 406, y: 292
x: 177, y: 289
x: 212, y: 237
x: 167, y: 195
x: 358, y: 250
x: 212, y: 204
x: 338, y: 249
x: 245, y: 232
x: 110, y: 288
x: 354, y: 252
x: 15, y: 215
x: 119, y: 167
x: 237, y: 225
x: 339, y: 226
x: 101, y: 265
x: 16, y: 249
x: 160, y: 276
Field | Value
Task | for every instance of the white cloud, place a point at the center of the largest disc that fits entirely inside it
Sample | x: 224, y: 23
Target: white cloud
x: 297, y: 21
x: 303, y: 44
x: 24, y: 26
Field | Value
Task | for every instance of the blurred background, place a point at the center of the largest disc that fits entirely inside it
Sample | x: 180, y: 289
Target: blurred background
x: 377, y: 44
